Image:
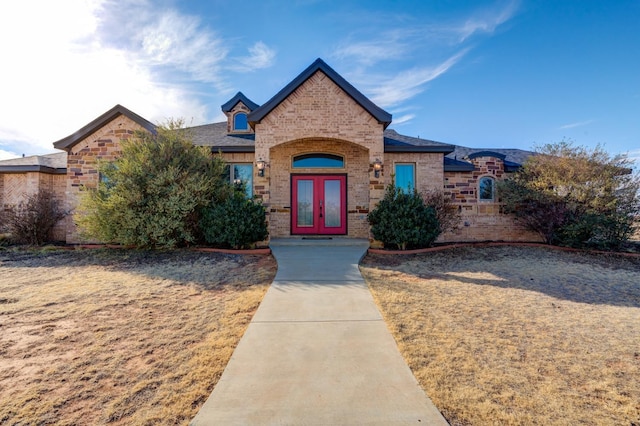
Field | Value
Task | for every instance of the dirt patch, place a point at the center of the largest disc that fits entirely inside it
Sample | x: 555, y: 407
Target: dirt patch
x: 508, y: 335
x: 120, y: 337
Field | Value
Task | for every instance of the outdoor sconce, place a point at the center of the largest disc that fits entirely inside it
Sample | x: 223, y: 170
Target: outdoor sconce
x: 377, y: 166
x: 260, y: 165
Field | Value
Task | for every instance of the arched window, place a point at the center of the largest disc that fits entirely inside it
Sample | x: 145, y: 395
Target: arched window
x: 240, y: 121
x: 329, y: 161
x: 486, y: 189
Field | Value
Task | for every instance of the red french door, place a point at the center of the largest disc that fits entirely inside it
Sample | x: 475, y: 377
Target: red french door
x: 319, y: 204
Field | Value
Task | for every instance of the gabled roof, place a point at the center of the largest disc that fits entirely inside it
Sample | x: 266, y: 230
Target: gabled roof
x: 239, y: 97
x: 104, y: 119
x: 381, y: 115
x: 395, y: 142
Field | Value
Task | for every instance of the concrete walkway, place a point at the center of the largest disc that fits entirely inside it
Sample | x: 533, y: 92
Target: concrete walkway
x: 317, y: 352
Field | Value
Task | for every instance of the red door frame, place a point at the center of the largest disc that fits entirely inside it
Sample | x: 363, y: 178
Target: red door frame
x: 318, y: 227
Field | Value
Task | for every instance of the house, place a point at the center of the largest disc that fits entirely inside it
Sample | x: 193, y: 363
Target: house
x: 319, y: 155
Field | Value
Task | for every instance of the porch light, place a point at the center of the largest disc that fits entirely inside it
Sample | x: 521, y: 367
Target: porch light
x: 377, y: 166
x: 260, y: 165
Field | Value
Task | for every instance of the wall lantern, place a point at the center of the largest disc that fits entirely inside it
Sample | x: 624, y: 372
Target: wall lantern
x: 377, y: 166
x: 260, y: 165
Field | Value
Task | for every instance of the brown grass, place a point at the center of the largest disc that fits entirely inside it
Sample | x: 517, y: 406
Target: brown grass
x: 507, y: 335
x: 120, y: 337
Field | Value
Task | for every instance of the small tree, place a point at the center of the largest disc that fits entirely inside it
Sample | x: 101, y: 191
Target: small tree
x: 575, y: 196
x: 153, y: 194
x: 447, y: 214
x: 32, y: 222
x: 403, y: 220
x: 237, y: 222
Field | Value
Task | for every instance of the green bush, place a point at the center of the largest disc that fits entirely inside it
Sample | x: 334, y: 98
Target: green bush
x: 403, y: 220
x: 595, y: 230
x: 236, y: 222
x: 152, y: 195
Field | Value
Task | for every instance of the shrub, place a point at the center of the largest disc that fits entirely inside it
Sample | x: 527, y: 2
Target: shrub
x: 236, y: 222
x: 402, y: 220
x: 447, y: 214
x: 32, y: 222
x: 153, y: 194
x: 575, y: 196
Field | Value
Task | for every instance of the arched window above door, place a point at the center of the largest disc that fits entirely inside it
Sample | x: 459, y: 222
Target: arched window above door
x: 318, y: 160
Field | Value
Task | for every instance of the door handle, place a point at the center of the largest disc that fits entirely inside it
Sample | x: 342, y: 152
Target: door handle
x: 320, y: 208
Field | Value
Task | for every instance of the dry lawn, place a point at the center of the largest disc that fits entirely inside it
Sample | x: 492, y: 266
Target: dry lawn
x: 508, y: 335
x: 120, y: 337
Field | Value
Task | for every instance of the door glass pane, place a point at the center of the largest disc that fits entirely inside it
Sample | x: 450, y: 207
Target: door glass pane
x: 305, y: 203
x: 244, y: 173
x: 332, y: 203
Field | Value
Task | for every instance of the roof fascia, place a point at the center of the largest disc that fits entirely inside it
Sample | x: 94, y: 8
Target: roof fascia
x: 33, y: 168
x: 233, y: 149
x: 68, y: 142
x: 239, y: 97
x: 445, y: 149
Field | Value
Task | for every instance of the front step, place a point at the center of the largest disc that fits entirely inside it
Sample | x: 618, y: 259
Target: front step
x: 318, y: 241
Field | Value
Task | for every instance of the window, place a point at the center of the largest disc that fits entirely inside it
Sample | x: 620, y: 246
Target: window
x: 486, y: 190
x: 240, y: 121
x: 405, y: 177
x: 318, y: 161
x: 239, y: 174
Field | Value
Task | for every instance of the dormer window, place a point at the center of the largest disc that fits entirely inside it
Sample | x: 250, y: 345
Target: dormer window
x: 240, y: 122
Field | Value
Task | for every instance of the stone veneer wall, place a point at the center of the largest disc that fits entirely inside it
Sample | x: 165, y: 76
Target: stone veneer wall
x: 318, y: 110
x: 82, y: 162
x: 481, y: 220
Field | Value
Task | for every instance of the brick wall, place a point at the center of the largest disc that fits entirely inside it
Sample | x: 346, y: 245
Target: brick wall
x: 319, y: 117
x: 82, y: 162
x: 429, y: 168
x: 280, y: 169
x: 16, y: 187
x: 239, y: 107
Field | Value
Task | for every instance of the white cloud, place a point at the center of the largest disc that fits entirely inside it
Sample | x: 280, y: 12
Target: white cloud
x: 171, y: 39
x: 485, y: 21
x: 576, y: 124
x: 260, y: 56
x: 409, y: 83
x: 68, y: 66
x: 403, y: 119
x: 370, y: 52
x: 5, y: 155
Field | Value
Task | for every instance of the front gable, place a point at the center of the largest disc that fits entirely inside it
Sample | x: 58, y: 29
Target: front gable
x: 319, y: 65
x: 319, y: 104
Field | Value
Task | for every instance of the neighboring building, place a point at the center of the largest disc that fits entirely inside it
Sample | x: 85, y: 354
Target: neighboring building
x: 318, y: 154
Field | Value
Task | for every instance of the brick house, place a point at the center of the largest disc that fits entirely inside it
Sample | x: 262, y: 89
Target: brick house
x: 318, y: 154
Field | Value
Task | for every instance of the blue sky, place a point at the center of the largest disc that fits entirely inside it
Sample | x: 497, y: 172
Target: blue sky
x: 492, y: 74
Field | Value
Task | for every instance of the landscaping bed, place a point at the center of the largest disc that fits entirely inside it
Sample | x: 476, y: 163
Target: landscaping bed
x: 120, y: 336
x: 517, y: 335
